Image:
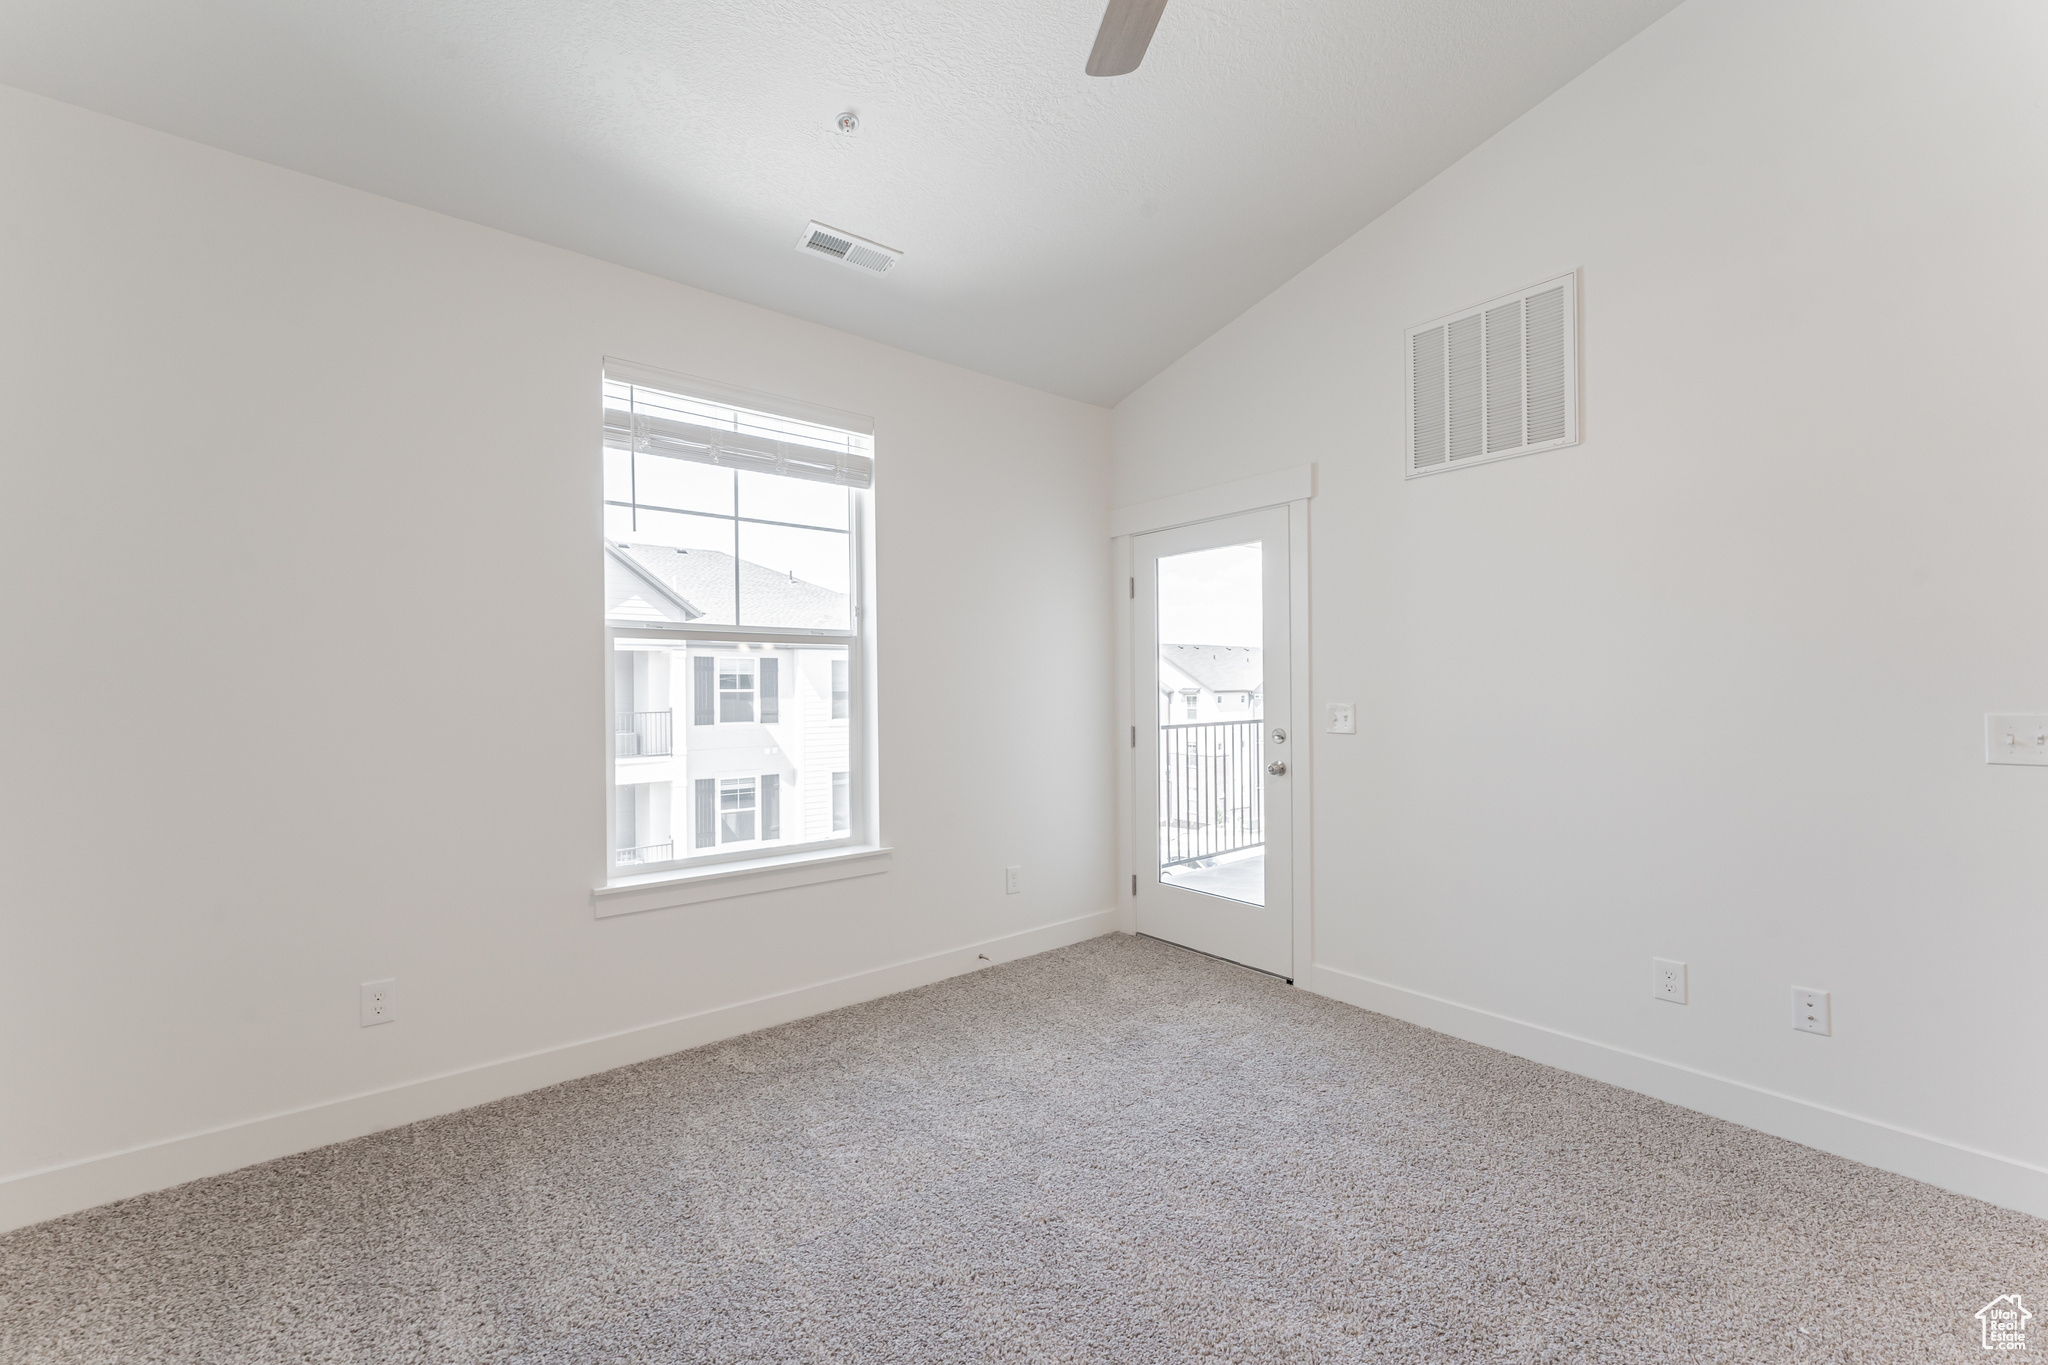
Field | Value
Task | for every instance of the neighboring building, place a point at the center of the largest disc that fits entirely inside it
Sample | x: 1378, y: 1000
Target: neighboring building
x: 1210, y: 683
x: 723, y: 746
x: 663, y: 583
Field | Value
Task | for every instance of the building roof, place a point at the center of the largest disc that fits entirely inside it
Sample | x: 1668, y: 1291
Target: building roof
x: 1219, y: 668
x: 706, y: 581
x: 634, y: 592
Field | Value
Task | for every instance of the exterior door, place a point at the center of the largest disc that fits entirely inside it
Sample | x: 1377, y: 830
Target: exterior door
x: 1211, y: 656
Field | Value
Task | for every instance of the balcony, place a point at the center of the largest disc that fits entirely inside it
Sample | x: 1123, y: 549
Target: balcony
x: 1240, y: 877
x: 1212, y: 836
x: 645, y: 734
x: 645, y: 853
x: 1210, y: 797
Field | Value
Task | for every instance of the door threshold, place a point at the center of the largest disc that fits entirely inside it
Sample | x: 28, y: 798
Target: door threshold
x: 1214, y: 957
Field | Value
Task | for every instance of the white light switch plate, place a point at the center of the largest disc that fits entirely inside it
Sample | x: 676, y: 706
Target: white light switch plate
x: 1810, y: 1011
x: 2016, y: 739
x: 1343, y: 718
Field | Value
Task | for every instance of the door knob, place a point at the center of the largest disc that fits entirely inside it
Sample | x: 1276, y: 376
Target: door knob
x: 1277, y: 767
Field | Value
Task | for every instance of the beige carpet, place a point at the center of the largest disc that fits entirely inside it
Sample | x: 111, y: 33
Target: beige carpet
x: 1115, y: 1152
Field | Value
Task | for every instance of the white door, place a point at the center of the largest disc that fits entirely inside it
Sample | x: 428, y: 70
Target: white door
x: 1210, y: 640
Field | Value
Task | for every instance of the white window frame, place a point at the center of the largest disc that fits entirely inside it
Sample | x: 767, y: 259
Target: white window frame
x: 860, y: 840
x: 750, y: 787
x: 752, y: 690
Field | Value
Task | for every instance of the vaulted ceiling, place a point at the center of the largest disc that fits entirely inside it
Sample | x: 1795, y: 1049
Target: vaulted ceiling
x: 1070, y: 233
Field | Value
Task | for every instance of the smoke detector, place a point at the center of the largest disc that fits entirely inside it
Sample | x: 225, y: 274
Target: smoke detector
x: 847, y: 249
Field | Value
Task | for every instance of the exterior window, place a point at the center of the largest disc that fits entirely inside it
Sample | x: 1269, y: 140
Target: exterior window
x: 735, y: 691
x: 736, y: 810
x: 732, y: 554
x: 1192, y: 698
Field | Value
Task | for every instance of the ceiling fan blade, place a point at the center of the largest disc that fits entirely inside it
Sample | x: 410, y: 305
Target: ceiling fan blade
x: 1126, y: 32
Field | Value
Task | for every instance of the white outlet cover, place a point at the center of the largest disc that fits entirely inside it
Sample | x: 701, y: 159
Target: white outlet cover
x: 1343, y: 718
x: 1667, y: 980
x: 2021, y: 740
x: 1810, y: 1011
x: 379, y: 1001
x: 1013, y: 880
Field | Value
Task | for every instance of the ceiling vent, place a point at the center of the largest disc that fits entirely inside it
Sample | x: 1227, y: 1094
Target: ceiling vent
x: 847, y: 249
x: 1496, y: 380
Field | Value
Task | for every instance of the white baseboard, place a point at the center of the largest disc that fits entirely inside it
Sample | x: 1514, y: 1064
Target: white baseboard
x: 53, y: 1191
x: 1981, y: 1175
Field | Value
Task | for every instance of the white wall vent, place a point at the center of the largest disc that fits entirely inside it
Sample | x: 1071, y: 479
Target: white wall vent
x: 847, y: 249
x: 1496, y: 380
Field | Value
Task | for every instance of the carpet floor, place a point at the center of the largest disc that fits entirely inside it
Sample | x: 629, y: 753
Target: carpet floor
x: 1119, y: 1151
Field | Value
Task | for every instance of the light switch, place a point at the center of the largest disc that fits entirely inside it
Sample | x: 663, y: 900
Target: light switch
x: 2016, y: 739
x: 1343, y: 718
x: 1810, y: 1011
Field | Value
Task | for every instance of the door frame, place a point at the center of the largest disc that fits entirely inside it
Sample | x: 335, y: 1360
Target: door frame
x: 1293, y: 489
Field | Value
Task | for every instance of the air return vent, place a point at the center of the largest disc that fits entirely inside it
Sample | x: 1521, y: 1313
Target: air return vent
x: 848, y: 249
x: 1495, y: 380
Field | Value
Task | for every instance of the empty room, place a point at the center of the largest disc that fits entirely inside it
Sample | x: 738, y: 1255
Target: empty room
x: 1109, y: 680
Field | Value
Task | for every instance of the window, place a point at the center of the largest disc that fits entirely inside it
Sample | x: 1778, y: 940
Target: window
x: 735, y: 691
x: 732, y: 553
x: 736, y: 810
x: 1192, y: 698
x: 748, y: 516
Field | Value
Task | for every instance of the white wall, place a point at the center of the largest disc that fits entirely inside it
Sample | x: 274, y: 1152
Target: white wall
x: 282, y: 461
x: 1711, y: 685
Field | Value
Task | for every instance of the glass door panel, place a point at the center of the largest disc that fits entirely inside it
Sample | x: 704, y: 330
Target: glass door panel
x: 1211, y: 689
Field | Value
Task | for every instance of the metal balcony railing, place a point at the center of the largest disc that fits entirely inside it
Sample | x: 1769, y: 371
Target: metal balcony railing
x: 645, y: 734
x: 1211, y: 801
x: 646, y: 853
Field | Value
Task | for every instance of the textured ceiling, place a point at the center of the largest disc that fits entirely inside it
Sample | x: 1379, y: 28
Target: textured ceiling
x: 1066, y: 232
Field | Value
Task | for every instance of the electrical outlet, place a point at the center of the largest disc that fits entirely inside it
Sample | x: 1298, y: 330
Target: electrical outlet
x: 1667, y: 980
x: 1810, y: 1011
x: 1013, y: 880
x: 1343, y: 718
x: 380, y: 1001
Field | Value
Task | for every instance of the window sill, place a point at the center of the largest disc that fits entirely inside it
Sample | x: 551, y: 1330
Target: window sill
x: 722, y: 881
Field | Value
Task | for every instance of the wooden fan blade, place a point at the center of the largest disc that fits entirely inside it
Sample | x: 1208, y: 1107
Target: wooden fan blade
x: 1126, y: 32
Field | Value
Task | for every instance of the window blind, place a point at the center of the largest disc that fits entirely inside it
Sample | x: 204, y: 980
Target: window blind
x: 646, y: 418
